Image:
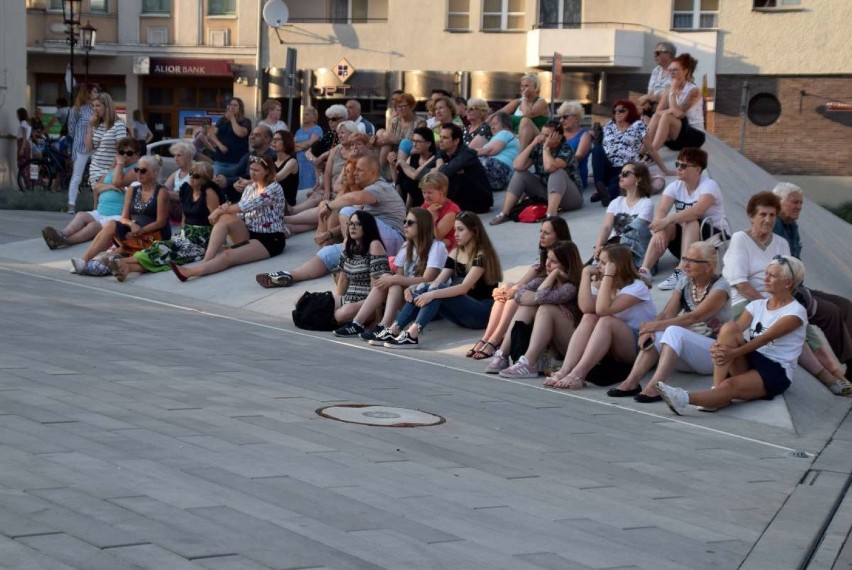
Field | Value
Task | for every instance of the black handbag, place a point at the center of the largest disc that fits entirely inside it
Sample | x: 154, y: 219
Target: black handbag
x: 315, y: 312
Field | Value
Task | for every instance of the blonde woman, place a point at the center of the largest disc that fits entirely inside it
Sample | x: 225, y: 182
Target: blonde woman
x: 529, y: 112
x: 104, y: 131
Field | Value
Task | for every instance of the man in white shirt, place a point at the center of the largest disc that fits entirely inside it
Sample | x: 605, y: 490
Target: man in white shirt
x: 353, y: 109
x: 660, y: 80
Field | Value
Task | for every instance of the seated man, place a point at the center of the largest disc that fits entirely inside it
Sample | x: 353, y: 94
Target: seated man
x: 353, y: 112
x: 469, y: 187
x: 378, y: 197
x: 259, y: 141
x: 660, y: 78
x: 556, y: 177
x: 833, y: 312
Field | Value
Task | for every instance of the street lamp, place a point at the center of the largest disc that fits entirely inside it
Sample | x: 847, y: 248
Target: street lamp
x: 88, y: 33
x: 71, y: 16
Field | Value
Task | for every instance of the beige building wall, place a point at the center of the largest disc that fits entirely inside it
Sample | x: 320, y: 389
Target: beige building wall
x: 812, y: 40
x: 13, y: 84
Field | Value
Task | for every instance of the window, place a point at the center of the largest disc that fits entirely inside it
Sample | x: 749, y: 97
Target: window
x: 502, y: 15
x: 156, y: 6
x: 348, y: 11
x: 54, y: 5
x: 458, y: 15
x: 695, y: 15
x: 221, y: 7
x: 777, y: 4
x: 98, y: 6
x: 560, y: 13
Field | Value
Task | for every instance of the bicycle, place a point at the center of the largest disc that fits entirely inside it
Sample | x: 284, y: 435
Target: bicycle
x: 50, y: 173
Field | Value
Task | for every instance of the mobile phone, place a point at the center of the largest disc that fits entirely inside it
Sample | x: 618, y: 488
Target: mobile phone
x: 648, y: 343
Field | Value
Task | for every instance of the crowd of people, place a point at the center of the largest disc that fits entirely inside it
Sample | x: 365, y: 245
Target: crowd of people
x: 395, y: 214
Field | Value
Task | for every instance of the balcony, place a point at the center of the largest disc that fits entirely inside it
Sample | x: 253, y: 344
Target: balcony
x: 605, y: 46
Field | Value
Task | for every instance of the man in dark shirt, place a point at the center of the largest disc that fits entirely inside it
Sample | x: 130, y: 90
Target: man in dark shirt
x: 469, y: 187
x: 259, y: 141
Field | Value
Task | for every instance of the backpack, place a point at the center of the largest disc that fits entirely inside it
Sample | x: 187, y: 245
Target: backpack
x: 315, y: 312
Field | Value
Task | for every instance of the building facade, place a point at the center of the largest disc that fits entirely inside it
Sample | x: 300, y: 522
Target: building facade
x: 772, y: 70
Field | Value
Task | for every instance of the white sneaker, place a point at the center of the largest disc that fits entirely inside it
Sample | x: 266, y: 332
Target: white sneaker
x: 521, y: 369
x: 677, y: 399
x: 79, y: 265
x: 670, y: 281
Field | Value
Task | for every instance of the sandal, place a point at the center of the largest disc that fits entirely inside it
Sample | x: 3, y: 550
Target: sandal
x: 553, y: 379
x: 570, y: 382
x: 482, y: 354
x: 476, y: 348
x: 499, y: 219
x: 118, y: 268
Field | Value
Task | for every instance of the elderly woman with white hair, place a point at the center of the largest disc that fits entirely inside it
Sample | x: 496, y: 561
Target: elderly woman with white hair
x: 478, y: 131
x: 681, y: 335
x: 755, y: 357
x: 529, y: 112
x: 318, y: 152
x: 570, y: 115
x: 182, y: 152
x: 144, y: 219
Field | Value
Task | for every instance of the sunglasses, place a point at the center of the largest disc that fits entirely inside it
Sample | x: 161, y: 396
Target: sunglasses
x: 693, y: 261
x: 563, y: 117
x: 659, y: 51
x: 407, y: 223
x: 683, y: 165
x: 620, y: 110
x: 258, y: 160
x: 626, y: 173
x: 127, y: 153
x: 781, y: 260
x: 140, y: 170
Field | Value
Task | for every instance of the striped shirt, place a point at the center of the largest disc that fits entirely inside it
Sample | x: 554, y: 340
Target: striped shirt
x: 103, y: 148
x: 78, y: 122
x: 262, y: 210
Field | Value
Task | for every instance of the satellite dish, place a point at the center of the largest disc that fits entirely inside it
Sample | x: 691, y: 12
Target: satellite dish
x: 275, y: 13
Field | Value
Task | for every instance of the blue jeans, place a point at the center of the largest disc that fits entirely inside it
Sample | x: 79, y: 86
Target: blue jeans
x: 226, y: 169
x: 464, y: 311
x: 604, y: 171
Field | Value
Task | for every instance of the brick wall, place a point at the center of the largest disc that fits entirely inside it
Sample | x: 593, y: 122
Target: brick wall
x: 810, y: 141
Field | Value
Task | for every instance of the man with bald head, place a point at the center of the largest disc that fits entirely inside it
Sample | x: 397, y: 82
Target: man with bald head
x: 353, y: 111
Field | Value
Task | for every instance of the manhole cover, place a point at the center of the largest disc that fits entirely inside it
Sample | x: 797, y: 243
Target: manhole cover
x: 379, y: 415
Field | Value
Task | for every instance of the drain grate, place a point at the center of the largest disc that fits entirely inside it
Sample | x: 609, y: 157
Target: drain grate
x: 385, y: 416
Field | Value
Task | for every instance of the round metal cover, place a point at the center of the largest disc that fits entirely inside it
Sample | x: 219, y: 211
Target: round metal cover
x: 384, y: 416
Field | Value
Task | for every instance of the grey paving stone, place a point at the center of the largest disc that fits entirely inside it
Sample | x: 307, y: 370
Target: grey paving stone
x: 229, y: 563
x: 17, y: 556
x: 152, y: 557
x: 75, y: 552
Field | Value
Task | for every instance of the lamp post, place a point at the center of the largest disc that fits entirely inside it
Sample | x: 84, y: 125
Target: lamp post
x: 71, y: 16
x: 88, y: 33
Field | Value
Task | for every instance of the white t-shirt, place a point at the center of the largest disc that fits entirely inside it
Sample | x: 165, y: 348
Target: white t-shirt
x: 745, y: 261
x: 678, y: 192
x: 279, y: 126
x: 437, y: 259
x: 642, y: 311
x: 624, y: 214
x: 784, y: 350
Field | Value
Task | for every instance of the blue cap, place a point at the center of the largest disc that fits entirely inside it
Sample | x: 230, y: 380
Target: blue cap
x: 405, y: 145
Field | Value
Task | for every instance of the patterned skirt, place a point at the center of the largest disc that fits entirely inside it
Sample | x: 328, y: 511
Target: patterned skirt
x: 188, y: 246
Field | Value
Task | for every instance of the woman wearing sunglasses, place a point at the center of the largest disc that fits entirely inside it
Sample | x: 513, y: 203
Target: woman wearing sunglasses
x: 108, y: 195
x: 754, y: 357
x: 253, y: 225
x: 198, y: 198
x: 622, y: 138
x: 144, y: 217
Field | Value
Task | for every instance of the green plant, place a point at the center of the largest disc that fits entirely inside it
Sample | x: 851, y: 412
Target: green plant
x: 13, y: 199
x: 843, y: 211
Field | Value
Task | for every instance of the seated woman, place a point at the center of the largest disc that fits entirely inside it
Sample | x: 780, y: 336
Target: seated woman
x: 680, y: 337
x: 198, y: 198
x: 462, y: 291
x: 627, y: 217
x: 695, y: 198
x: 253, y: 225
x: 401, y: 127
x: 615, y: 303
x: 529, y: 112
x: 555, y: 181
x: 678, y: 121
x: 412, y: 169
x: 762, y: 366
x: 434, y: 187
x: 108, y: 195
x: 622, y: 139
x: 551, y: 307
x: 362, y: 262
x: 477, y: 132
x: 553, y: 230
x: 498, y: 155
x: 445, y: 112
x: 144, y: 219
x: 286, y: 165
x: 571, y: 114
x: 419, y: 260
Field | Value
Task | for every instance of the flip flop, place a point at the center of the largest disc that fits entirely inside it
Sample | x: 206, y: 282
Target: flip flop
x: 482, y: 355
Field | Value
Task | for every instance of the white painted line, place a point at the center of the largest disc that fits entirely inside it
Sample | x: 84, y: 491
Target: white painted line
x: 396, y: 354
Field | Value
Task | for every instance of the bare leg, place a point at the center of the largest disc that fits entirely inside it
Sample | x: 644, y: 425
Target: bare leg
x: 653, y: 253
x: 744, y: 386
x: 494, y: 320
x: 102, y: 241
x: 611, y: 336
x: 253, y: 251
x: 527, y: 131
x: 393, y: 304
x: 367, y: 313
x: 689, y: 235
x: 577, y: 345
x: 645, y: 360
x: 312, y: 202
x: 228, y: 225
x: 551, y: 326
x: 667, y: 363
x: 313, y: 268
x: 729, y: 335
x: 523, y: 313
x: 507, y: 317
x: 347, y: 312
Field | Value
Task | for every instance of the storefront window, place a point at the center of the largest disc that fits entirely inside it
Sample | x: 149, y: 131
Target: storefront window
x: 208, y: 98
x: 98, y: 6
x: 160, y: 96
x: 186, y: 96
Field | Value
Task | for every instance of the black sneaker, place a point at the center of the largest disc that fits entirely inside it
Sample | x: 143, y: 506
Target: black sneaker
x: 373, y: 334
x: 402, y: 341
x: 349, y: 329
